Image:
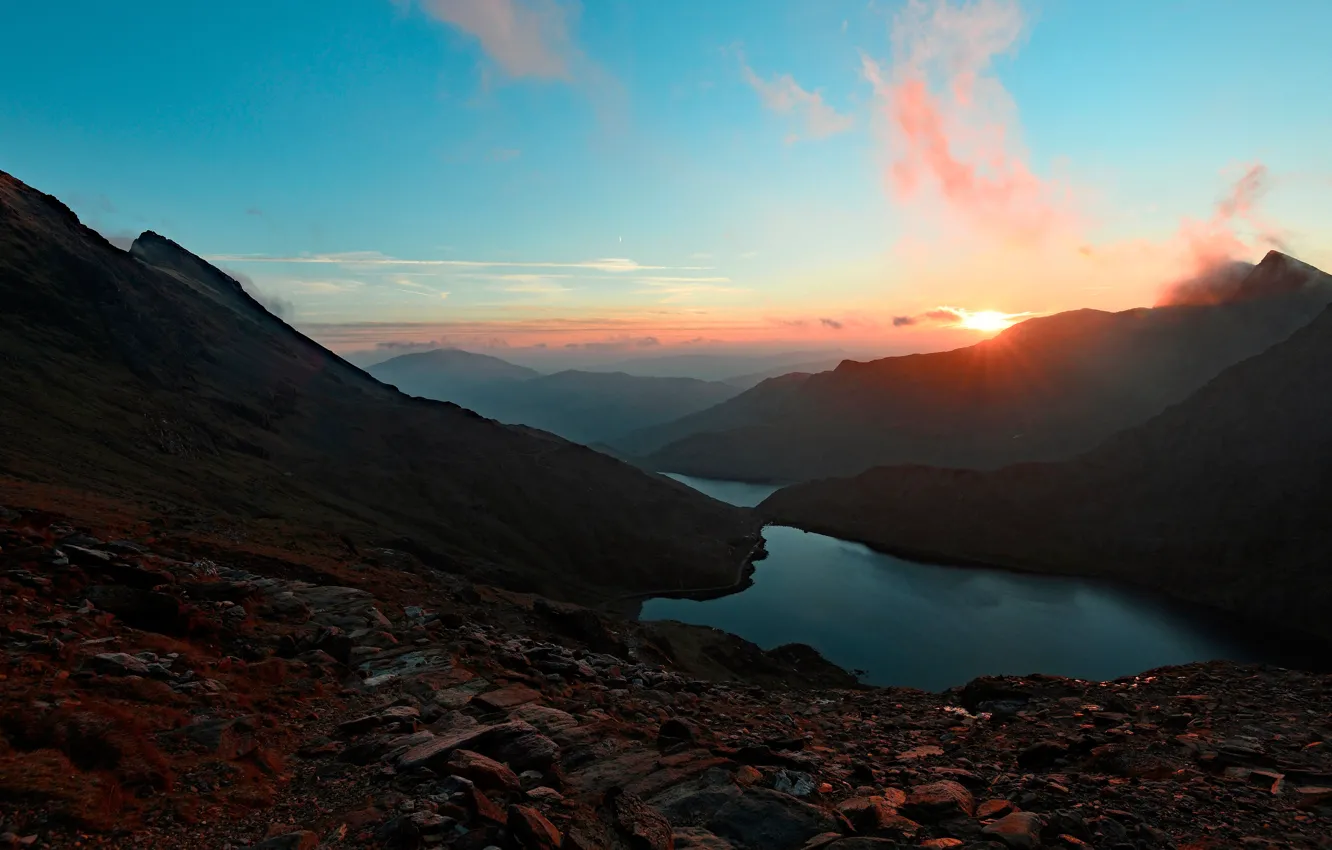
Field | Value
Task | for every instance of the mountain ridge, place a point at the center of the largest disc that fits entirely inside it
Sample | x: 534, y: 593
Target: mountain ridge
x: 154, y: 374
x: 1218, y: 499
x: 1045, y: 389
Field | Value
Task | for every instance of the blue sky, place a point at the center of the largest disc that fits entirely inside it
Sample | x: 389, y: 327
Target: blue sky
x: 735, y: 159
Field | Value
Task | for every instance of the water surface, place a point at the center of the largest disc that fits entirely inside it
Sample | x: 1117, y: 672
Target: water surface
x: 931, y: 627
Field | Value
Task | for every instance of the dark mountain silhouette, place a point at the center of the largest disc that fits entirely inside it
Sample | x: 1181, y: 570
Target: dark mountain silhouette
x: 809, y: 367
x: 590, y: 407
x: 1222, y: 499
x: 717, y: 366
x: 1046, y: 389
x: 152, y: 376
x: 586, y: 407
x: 445, y: 372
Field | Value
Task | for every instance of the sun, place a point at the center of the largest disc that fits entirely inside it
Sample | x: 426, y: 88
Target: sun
x: 987, y: 320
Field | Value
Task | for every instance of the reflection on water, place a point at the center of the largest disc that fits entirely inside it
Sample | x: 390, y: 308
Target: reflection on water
x: 932, y: 627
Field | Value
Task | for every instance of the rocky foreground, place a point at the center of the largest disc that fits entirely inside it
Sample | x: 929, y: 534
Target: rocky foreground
x: 154, y: 696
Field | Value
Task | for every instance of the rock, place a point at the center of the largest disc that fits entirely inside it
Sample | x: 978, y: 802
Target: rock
x: 877, y: 816
x: 515, y: 743
x: 544, y: 794
x: 531, y: 829
x: 676, y: 731
x: 414, y: 830
x: 860, y: 843
x: 939, y: 801
x: 336, y: 643
x: 748, y: 818
x: 142, y: 609
x: 302, y: 840
x: 488, y: 774
x: 400, y: 715
x: 994, y: 694
x: 994, y: 809
x: 1313, y: 797
x: 642, y: 827
x: 1042, y: 754
x: 693, y: 838
x: 1019, y: 830
x: 917, y: 753
x: 507, y: 697
x: 795, y: 783
x: 117, y: 664
x: 547, y: 720
x: 228, y: 739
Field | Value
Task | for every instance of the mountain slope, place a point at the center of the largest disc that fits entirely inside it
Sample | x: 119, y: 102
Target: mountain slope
x: 586, y: 407
x: 152, y: 375
x: 1222, y: 499
x: 589, y: 407
x: 445, y: 372
x: 1045, y: 389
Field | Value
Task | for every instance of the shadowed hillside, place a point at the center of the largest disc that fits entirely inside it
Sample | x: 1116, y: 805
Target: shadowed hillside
x: 587, y: 407
x: 1221, y: 499
x: 151, y: 375
x: 1046, y: 389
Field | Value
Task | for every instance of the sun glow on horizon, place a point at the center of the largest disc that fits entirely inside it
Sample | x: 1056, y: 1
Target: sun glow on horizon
x: 988, y: 321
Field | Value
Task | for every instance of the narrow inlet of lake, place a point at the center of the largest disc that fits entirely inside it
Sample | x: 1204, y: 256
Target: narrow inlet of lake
x: 932, y: 627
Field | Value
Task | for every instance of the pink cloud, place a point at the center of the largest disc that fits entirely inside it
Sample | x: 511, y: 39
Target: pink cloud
x: 951, y: 126
x: 526, y: 38
x: 784, y: 95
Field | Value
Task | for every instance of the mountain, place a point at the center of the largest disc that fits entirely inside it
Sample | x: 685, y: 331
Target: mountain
x: 716, y: 366
x: 590, y: 407
x: 1221, y: 499
x: 586, y: 407
x: 1045, y: 389
x: 152, y: 377
x: 753, y: 379
x: 446, y: 372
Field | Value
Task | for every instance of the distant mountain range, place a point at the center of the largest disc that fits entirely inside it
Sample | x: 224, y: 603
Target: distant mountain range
x: 152, y: 377
x: 1223, y: 498
x: 1045, y: 389
x: 586, y: 407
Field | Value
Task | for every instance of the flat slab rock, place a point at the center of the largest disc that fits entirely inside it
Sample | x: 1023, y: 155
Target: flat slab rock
x: 507, y: 697
x: 748, y: 818
x: 517, y: 744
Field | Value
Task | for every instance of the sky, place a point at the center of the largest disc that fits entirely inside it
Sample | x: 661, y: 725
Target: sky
x: 654, y: 177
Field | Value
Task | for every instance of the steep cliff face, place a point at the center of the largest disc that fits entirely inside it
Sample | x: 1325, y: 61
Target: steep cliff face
x: 153, y: 374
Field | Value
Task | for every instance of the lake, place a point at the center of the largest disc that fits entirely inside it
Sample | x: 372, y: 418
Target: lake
x: 932, y: 627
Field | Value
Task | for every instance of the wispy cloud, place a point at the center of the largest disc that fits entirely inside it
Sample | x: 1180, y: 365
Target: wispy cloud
x: 525, y: 38
x: 535, y: 284
x: 354, y: 259
x: 784, y: 95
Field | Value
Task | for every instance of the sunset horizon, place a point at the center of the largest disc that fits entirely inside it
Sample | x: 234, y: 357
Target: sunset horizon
x: 534, y: 176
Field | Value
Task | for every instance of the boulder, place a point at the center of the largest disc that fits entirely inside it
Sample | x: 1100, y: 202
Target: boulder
x: 488, y: 774
x: 641, y: 826
x: 117, y: 664
x: 749, y: 818
x: 1020, y: 830
x: 532, y: 830
x: 939, y: 801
